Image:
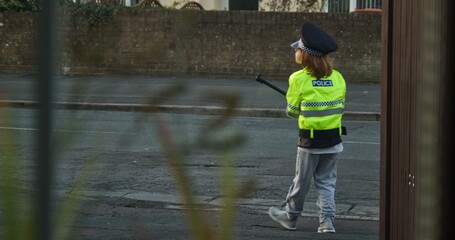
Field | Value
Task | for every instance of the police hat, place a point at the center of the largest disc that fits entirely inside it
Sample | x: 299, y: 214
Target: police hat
x: 315, y: 41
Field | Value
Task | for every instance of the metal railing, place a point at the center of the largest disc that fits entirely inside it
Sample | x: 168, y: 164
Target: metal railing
x: 338, y: 6
x: 366, y: 4
x: 345, y: 6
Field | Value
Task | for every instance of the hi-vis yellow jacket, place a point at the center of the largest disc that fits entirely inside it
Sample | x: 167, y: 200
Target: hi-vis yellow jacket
x: 317, y: 103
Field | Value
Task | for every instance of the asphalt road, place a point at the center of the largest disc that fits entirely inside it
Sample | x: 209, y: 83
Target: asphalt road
x: 114, y: 164
x: 128, y: 190
x: 194, y: 95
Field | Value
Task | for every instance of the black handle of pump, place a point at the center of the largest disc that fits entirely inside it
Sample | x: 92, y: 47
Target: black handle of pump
x: 263, y: 81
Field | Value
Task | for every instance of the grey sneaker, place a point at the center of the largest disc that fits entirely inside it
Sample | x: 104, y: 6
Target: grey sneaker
x: 326, y: 226
x: 282, y: 218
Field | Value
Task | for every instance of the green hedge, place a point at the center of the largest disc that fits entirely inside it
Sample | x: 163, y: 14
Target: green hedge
x: 19, y: 5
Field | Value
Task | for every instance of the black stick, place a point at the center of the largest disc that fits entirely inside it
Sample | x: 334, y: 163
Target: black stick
x: 263, y: 81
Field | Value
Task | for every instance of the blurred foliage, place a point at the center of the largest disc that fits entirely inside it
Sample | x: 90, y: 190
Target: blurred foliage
x: 17, y: 204
x: 19, y: 5
x: 24, y: 5
x: 9, y: 195
x: 89, y: 15
x: 216, y: 135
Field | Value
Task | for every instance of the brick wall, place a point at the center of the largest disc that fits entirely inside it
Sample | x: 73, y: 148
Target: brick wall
x: 200, y: 43
x: 17, y: 42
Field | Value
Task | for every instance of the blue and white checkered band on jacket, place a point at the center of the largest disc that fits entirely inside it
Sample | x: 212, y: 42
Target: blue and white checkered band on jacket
x: 311, y: 51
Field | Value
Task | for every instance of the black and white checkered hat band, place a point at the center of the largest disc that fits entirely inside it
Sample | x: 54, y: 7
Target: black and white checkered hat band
x: 299, y: 44
x: 311, y: 51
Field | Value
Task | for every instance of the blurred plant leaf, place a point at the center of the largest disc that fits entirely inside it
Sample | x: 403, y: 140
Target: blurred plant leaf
x: 217, y: 136
x: 8, y: 170
x: 67, y: 209
x: 198, y: 224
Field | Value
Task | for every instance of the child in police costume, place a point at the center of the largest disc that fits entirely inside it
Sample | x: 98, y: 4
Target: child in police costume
x: 316, y: 97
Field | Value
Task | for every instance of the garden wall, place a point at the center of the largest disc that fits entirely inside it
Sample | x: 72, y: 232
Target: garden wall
x: 192, y: 43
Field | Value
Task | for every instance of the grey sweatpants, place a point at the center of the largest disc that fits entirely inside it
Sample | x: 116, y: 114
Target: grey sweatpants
x: 321, y: 167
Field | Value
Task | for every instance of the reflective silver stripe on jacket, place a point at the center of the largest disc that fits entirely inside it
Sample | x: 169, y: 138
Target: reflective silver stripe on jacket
x: 291, y: 114
x: 321, y: 113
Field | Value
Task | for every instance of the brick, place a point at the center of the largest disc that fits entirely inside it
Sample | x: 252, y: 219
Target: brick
x: 209, y: 43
